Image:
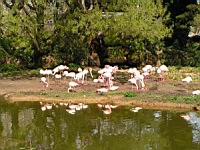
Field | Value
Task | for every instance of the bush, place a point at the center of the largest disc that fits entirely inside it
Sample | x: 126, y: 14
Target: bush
x: 35, y: 72
x: 9, y: 68
x: 73, y: 67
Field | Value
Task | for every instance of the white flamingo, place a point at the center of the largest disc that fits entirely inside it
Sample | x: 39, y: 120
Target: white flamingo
x: 72, y: 84
x: 60, y: 69
x: 44, y: 81
x: 71, y: 75
x: 102, y: 90
x: 113, y: 88
x: 133, y: 82
x: 196, y: 92
x: 58, y: 76
x: 188, y: 79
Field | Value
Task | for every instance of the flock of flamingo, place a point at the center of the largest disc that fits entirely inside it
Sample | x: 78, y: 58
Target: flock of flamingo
x: 106, y: 77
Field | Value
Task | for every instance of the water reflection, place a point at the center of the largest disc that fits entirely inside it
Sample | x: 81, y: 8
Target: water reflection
x: 7, y: 124
x: 194, y: 121
x: 25, y: 126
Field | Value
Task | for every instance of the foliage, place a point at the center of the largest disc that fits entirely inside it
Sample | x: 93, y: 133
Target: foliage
x: 9, y: 68
x: 40, y: 33
x: 196, y: 23
x: 73, y: 67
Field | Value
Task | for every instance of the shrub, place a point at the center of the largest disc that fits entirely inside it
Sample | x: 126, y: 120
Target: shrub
x: 73, y: 67
x: 9, y: 68
x: 35, y: 72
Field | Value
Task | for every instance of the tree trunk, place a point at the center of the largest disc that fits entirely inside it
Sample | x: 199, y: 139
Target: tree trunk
x: 159, y: 54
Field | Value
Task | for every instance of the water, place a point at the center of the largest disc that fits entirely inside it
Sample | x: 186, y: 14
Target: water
x: 25, y: 126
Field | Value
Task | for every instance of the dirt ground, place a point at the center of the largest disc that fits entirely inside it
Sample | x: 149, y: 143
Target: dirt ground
x: 11, y: 87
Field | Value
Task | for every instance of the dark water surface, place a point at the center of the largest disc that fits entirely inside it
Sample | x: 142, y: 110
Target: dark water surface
x: 24, y: 126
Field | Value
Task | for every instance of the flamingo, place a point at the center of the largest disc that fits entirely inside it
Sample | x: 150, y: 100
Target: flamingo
x: 80, y: 69
x: 98, y: 80
x: 188, y: 79
x: 133, y: 81
x: 159, y: 71
x: 44, y: 81
x: 46, y: 73
x: 113, y: 88
x: 147, y: 68
x: 196, y: 92
x: 79, y: 76
x: 102, y: 90
x: 72, y: 84
x: 90, y: 71
x: 58, y: 76
x: 65, y: 73
x: 132, y: 71
x: 59, y: 68
x: 163, y: 68
x: 86, y: 71
x: 71, y: 74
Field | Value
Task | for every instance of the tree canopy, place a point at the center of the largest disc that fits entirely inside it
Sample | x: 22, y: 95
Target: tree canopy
x: 39, y: 33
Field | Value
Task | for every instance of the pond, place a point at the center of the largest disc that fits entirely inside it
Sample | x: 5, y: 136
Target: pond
x: 23, y: 125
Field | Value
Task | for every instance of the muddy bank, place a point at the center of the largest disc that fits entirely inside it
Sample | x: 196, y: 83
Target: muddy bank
x: 32, y: 90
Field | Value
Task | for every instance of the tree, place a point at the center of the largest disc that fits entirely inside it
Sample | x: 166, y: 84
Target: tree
x: 142, y: 25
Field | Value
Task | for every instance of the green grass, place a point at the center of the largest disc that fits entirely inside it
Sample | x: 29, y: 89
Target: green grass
x: 156, y: 97
x: 144, y: 97
x: 21, y: 73
x: 60, y: 94
x: 194, y: 99
x: 129, y: 94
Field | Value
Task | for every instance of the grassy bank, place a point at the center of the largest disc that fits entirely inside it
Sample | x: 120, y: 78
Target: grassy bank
x: 126, y: 96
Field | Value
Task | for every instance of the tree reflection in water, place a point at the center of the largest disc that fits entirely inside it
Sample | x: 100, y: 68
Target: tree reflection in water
x: 90, y: 129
